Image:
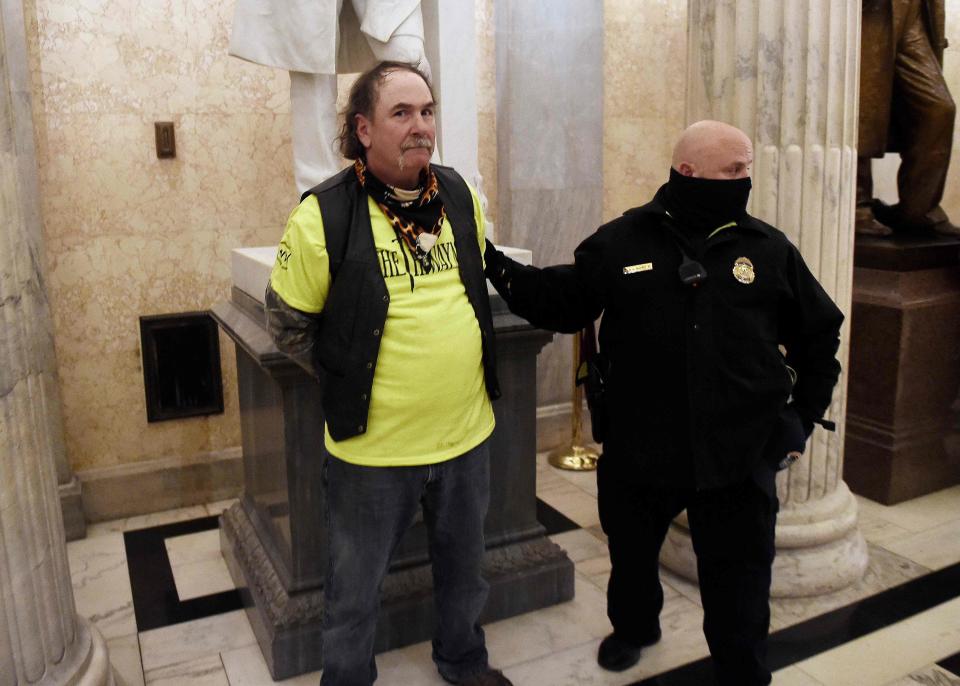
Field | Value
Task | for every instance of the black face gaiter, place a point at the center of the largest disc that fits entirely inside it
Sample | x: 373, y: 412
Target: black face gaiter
x: 705, y: 204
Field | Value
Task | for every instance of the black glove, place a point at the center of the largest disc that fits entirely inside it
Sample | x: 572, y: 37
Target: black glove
x: 493, y: 261
x: 789, y: 436
x: 497, y: 268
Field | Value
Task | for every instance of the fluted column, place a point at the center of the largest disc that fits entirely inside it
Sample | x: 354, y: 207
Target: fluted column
x: 786, y: 72
x: 42, y: 640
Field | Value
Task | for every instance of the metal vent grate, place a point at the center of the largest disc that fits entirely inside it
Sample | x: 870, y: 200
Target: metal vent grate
x: 181, y: 365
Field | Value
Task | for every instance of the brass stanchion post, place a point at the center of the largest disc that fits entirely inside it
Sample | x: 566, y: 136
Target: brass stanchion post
x: 574, y: 455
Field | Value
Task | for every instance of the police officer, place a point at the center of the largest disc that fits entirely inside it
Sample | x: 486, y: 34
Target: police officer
x: 718, y: 349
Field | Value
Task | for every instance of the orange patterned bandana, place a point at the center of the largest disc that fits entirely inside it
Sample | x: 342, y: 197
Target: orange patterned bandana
x: 416, y: 216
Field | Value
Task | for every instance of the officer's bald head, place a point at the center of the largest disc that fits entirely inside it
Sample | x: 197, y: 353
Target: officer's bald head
x: 713, y: 150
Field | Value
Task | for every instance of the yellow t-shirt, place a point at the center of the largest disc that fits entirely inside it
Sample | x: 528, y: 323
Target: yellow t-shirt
x: 428, y: 402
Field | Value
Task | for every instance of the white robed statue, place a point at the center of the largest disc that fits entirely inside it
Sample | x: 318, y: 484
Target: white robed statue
x: 315, y: 40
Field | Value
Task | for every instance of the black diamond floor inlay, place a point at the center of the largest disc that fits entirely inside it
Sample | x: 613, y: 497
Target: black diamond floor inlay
x: 554, y: 521
x: 155, y: 600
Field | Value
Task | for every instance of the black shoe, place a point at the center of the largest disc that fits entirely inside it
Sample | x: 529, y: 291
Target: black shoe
x: 617, y: 654
x: 946, y: 228
x: 491, y: 677
x: 866, y: 225
x: 935, y: 221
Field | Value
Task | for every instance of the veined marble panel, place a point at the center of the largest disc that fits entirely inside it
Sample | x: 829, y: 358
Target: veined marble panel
x: 101, y: 584
x: 885, y: 570
x: 930, y: 636
x: 246, y: 667
x: 931, y: 675
x: 550, y: 630
x: 189, y: 548
x: 125, y: 658
x: 202, y: 578
x: 792, y: 676
x: 124, y: 256
x: 205, y: 671
x: 918, y: 514
x: 935, y: 548
x: 580, y: 545
x: 682, y: 642
x: 180, y: 643
x: 116, y: 56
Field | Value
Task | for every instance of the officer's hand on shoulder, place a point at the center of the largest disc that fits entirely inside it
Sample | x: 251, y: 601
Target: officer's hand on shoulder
x: 495, y: 262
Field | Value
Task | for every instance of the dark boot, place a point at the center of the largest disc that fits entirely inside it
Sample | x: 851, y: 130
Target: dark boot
x: 491, y: 677
x: 617, y: 654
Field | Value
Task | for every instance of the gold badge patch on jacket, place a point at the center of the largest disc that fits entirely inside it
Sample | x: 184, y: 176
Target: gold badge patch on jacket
x: 637, y: 268
x: 743, y: 270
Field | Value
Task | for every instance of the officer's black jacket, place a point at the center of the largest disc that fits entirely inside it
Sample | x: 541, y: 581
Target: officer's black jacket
x: 696, y: 379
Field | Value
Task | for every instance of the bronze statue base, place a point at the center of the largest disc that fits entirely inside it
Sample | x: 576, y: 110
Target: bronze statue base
x: 902, y: 432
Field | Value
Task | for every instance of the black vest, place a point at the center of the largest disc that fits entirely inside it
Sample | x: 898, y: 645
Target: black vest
x: 352, y: 323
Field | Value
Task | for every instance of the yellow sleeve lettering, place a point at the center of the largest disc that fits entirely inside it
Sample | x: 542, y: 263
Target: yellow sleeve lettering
x: 301, y: 274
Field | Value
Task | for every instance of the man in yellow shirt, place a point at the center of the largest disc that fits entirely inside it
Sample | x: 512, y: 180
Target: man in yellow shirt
x: 378, y: 290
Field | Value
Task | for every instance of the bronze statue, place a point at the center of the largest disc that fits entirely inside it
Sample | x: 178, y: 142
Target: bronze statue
x: 905, y: 107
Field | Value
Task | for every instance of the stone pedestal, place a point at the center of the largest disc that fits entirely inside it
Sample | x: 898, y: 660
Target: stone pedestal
x: 902, y: 439
x: 786, y: 73
x: 274, y: 539
x: 42, y: 640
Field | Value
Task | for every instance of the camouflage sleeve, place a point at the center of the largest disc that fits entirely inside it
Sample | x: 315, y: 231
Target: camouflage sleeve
x: 294, y: 332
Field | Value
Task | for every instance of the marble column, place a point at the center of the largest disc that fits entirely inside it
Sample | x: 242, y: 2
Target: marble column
x: 450, y: 40
x: 18, y: 90
x: 549, y: 75
x: 42, y: 639
x: 786, y: 72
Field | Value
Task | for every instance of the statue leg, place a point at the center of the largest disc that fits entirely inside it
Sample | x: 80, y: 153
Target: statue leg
x: 924, y: 114
x: 865, y: 223
x: 313, y: 114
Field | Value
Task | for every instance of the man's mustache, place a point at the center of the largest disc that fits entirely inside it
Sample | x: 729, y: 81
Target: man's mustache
x: 417, y: 142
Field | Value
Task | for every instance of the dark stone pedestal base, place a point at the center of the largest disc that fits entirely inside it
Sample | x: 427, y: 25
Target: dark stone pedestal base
x: 523, y: 576
x: 901, y: 440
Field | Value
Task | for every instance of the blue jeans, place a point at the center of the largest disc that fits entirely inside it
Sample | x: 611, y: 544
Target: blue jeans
x: 368, y: 511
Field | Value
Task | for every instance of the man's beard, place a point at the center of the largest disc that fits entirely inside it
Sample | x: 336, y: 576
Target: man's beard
x: 415, y: 142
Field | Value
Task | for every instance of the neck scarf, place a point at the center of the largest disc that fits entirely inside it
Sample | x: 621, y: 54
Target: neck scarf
x: 415, y: 215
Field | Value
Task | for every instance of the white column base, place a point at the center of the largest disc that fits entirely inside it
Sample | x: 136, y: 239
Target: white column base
x: 87, y: 664
x: 819, y: 547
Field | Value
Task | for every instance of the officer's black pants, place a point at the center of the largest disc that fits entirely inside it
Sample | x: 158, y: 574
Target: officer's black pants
x: 733, y: 537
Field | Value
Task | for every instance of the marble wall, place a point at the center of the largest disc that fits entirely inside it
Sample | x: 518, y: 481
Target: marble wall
x: 644, y: 90
x: 129, y: 235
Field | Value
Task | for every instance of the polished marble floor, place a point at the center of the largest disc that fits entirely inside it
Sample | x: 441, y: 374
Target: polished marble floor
x: 158, y: 589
